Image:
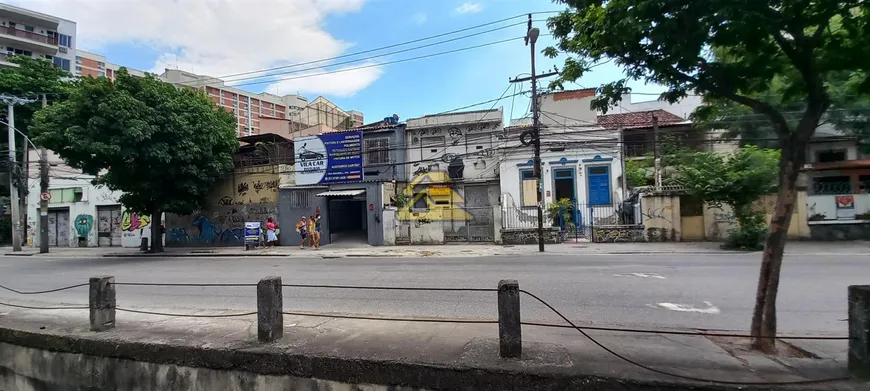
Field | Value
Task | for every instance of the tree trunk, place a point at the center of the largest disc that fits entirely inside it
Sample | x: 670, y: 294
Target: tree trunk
x: 156, y: 231
x: 764, y: 315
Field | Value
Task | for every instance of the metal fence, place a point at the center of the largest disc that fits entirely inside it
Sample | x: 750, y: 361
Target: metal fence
x: 581, y: 222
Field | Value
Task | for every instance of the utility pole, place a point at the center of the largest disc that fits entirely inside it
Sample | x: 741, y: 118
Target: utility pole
x: 10, y: 102
x: 531, y: 38
x: 622, y: 162
x: 43, y: 189
x: 657, y: 153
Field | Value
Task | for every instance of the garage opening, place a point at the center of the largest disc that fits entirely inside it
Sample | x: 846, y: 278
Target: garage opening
x: 346, y: 216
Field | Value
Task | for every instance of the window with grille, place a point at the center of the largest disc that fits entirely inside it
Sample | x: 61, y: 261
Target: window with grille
x: 377, y: 151
x: 300, y: 199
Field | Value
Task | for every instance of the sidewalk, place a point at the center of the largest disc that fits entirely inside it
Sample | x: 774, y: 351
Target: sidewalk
x: 427, y: 355
x: 855, y: 248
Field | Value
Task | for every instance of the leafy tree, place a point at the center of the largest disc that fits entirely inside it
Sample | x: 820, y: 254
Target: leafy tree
x: 737, y: 179
x: 849, y: 113
x: 29, y: 79
x: 637, y: 173
x: 162, y: 146
x: 799, y: 43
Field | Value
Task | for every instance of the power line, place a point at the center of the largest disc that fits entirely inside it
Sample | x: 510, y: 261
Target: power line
x: 199, y: 83
x: 379, y: 64
x: 392, y: 45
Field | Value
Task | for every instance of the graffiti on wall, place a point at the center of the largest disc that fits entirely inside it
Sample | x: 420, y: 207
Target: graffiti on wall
x: 132, y: 221
x: 657, y: 213
x: 618, y: 234
x: 83, y: 224
x: 222, y: 225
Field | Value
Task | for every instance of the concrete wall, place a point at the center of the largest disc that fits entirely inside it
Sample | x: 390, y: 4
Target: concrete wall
x: 29, y: 369
x: 395, y: 170
x: 719, y: 219
x: 248, y: 194
x: 469, y: 136
x: 296, y: 202
x: 661, y: 217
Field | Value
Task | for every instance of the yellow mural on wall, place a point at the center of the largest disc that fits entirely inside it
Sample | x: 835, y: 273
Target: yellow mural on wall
x: 443, y: 202
x: 245, y: 187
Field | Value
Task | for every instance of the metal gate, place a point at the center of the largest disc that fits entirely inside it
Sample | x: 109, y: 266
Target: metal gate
x: 471, y: 222
x: 58, y: 228
x: 109, y: 225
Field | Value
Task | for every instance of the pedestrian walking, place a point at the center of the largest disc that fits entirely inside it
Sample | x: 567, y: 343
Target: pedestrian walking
x: 316, y: 232
x: 271, y: 233
x: 302, y: 229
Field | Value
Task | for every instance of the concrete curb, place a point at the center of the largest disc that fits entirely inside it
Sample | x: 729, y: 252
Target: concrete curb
x: 252, y: 357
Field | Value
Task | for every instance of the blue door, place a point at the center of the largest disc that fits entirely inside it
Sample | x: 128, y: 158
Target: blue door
x: 599, y: 185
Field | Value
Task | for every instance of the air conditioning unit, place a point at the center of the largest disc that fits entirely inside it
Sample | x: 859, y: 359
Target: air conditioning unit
x: 62, y: 49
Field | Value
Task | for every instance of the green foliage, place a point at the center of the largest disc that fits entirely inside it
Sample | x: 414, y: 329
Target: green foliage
x: 737, y: 179
x: 722, y: 49
x: 163, y: 147
x: 750, y: 232
x: 402, y: 199
x: 30, y: 78
x: 562, y: 212
x: 637, y: 173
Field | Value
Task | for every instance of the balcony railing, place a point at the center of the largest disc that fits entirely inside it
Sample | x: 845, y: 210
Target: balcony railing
x: 28, y: 35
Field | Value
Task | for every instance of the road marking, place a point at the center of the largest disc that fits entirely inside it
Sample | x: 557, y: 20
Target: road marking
x: 642, y: 275
x: 711, y: 309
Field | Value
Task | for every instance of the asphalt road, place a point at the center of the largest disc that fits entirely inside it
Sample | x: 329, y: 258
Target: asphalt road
x: 697, y: 291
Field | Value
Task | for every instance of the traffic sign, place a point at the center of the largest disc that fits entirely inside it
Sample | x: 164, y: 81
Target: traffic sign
x: 45, y: 196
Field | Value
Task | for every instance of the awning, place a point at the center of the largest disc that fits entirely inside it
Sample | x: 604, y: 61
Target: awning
x: 341, y: 193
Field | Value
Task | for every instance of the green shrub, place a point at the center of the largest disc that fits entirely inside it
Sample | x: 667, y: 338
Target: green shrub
x: 750, y: 233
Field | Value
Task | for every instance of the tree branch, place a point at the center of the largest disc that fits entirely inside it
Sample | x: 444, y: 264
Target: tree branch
x: 780, y: 125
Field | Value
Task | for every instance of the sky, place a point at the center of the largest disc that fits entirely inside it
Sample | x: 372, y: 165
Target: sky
x: 226, y: 37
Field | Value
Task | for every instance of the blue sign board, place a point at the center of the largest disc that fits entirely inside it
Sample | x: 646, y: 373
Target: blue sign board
x: 329, y: 158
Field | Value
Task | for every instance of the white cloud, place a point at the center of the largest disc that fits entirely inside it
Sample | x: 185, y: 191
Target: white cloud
x: 418, y: 18
x: 469, y: 8
x: 345, y: 83
x: 217, y: 38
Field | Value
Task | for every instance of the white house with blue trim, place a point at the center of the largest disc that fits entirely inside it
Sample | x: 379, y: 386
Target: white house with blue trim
x: 580, y: 161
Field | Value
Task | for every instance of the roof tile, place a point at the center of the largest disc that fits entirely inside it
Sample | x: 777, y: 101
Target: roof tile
x: 638, y: 119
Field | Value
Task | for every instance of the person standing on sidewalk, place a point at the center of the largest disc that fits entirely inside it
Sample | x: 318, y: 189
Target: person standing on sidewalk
x: 316, y: 232
x: 271, y: 233
x: 302, y: 229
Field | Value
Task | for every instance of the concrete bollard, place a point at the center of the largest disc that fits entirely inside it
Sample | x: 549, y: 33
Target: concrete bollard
x: 859, y: 331
x: 270, y: 304
x: 510, y: 339
x: 102, y: 303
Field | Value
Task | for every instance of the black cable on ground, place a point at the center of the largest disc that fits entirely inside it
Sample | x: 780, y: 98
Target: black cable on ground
x: 183, y: 284
x: 188, y: 315
x: 390, y: 288
x: 692, y: 378
x: 45, y: 291
x: 417, y: 320
x: 43, y: 308
x: 691, y: 333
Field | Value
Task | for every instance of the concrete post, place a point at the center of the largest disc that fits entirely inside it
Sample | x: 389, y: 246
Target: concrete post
x: 859, y: 331
x: 102, y: 303
x: 270, y: 304
x: 510, y: 340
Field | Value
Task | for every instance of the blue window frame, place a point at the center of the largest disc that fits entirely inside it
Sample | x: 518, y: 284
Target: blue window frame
x: 64, y: 40
x: 527, y: 200
x: 62, y: 63
x: 598, y: 179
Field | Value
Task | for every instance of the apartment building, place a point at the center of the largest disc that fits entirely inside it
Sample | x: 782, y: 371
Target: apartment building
x: 95, y: 65
x: 34, y: 34
x: 248, y: 107
x: 356, y: 118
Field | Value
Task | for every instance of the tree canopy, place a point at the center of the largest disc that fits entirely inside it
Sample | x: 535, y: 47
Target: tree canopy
x: 164, y: 147
x: 732, y: 50
x: 30, y: 79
